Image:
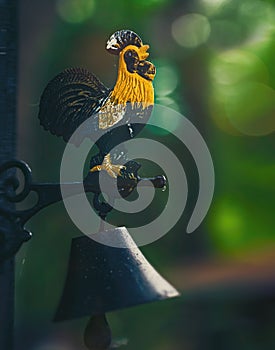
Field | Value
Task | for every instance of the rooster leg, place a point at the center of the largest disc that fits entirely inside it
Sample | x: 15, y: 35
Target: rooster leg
x: 112, y: 169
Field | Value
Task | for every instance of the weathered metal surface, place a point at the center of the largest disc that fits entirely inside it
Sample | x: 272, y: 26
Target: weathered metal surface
x: 103, y: 278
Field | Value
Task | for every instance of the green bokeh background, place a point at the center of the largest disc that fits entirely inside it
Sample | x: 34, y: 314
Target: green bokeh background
x: 215, y: 64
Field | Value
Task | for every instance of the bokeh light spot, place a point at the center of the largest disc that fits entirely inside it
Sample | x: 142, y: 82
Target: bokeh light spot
x: 212, y: 7
x: 191, y: 30
x: 166, y: 80
x: 260, y: 16
x: 75, y: 11
x: 257, y: 10
x: 240, y: 93
x: 228, y: 225
x: 234, y: 66
x: 251, y: 109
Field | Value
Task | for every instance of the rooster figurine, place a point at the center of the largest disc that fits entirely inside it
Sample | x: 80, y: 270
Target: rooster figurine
x: 76, y: 95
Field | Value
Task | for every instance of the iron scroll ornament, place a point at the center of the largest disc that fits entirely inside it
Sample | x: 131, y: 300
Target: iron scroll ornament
x: 49, y: 193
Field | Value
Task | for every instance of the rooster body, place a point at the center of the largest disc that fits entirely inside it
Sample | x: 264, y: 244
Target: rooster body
x: 76, y: 95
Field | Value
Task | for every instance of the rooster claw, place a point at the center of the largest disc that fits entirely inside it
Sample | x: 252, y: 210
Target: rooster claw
x: 114, y: 170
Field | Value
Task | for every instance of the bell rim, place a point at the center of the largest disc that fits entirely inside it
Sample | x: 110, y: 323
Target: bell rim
x: 176, y: 294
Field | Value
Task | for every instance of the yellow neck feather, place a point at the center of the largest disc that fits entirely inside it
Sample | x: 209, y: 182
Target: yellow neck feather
x: 131, y: 87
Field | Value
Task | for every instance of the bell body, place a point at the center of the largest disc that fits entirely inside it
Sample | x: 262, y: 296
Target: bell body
x: 102, y: 278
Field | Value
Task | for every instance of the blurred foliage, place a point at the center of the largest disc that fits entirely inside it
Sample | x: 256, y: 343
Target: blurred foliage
x: 215, y: 64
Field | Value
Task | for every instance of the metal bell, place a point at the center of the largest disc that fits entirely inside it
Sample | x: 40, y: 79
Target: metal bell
x: 103, y: 278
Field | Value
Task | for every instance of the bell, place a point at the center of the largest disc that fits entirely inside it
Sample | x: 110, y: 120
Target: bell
x: 103, y: 278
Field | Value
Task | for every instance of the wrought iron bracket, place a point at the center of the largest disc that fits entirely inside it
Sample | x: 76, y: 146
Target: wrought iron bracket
x: 12, y: 191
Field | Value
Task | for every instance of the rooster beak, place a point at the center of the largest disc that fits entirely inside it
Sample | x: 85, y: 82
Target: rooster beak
x: 143, y: 52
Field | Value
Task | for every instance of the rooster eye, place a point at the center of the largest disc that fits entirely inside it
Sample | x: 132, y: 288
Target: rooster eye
x: 131, y: 60
x: 128, y: 53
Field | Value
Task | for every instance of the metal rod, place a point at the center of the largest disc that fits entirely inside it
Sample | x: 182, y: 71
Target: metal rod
x: 8, y: 92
